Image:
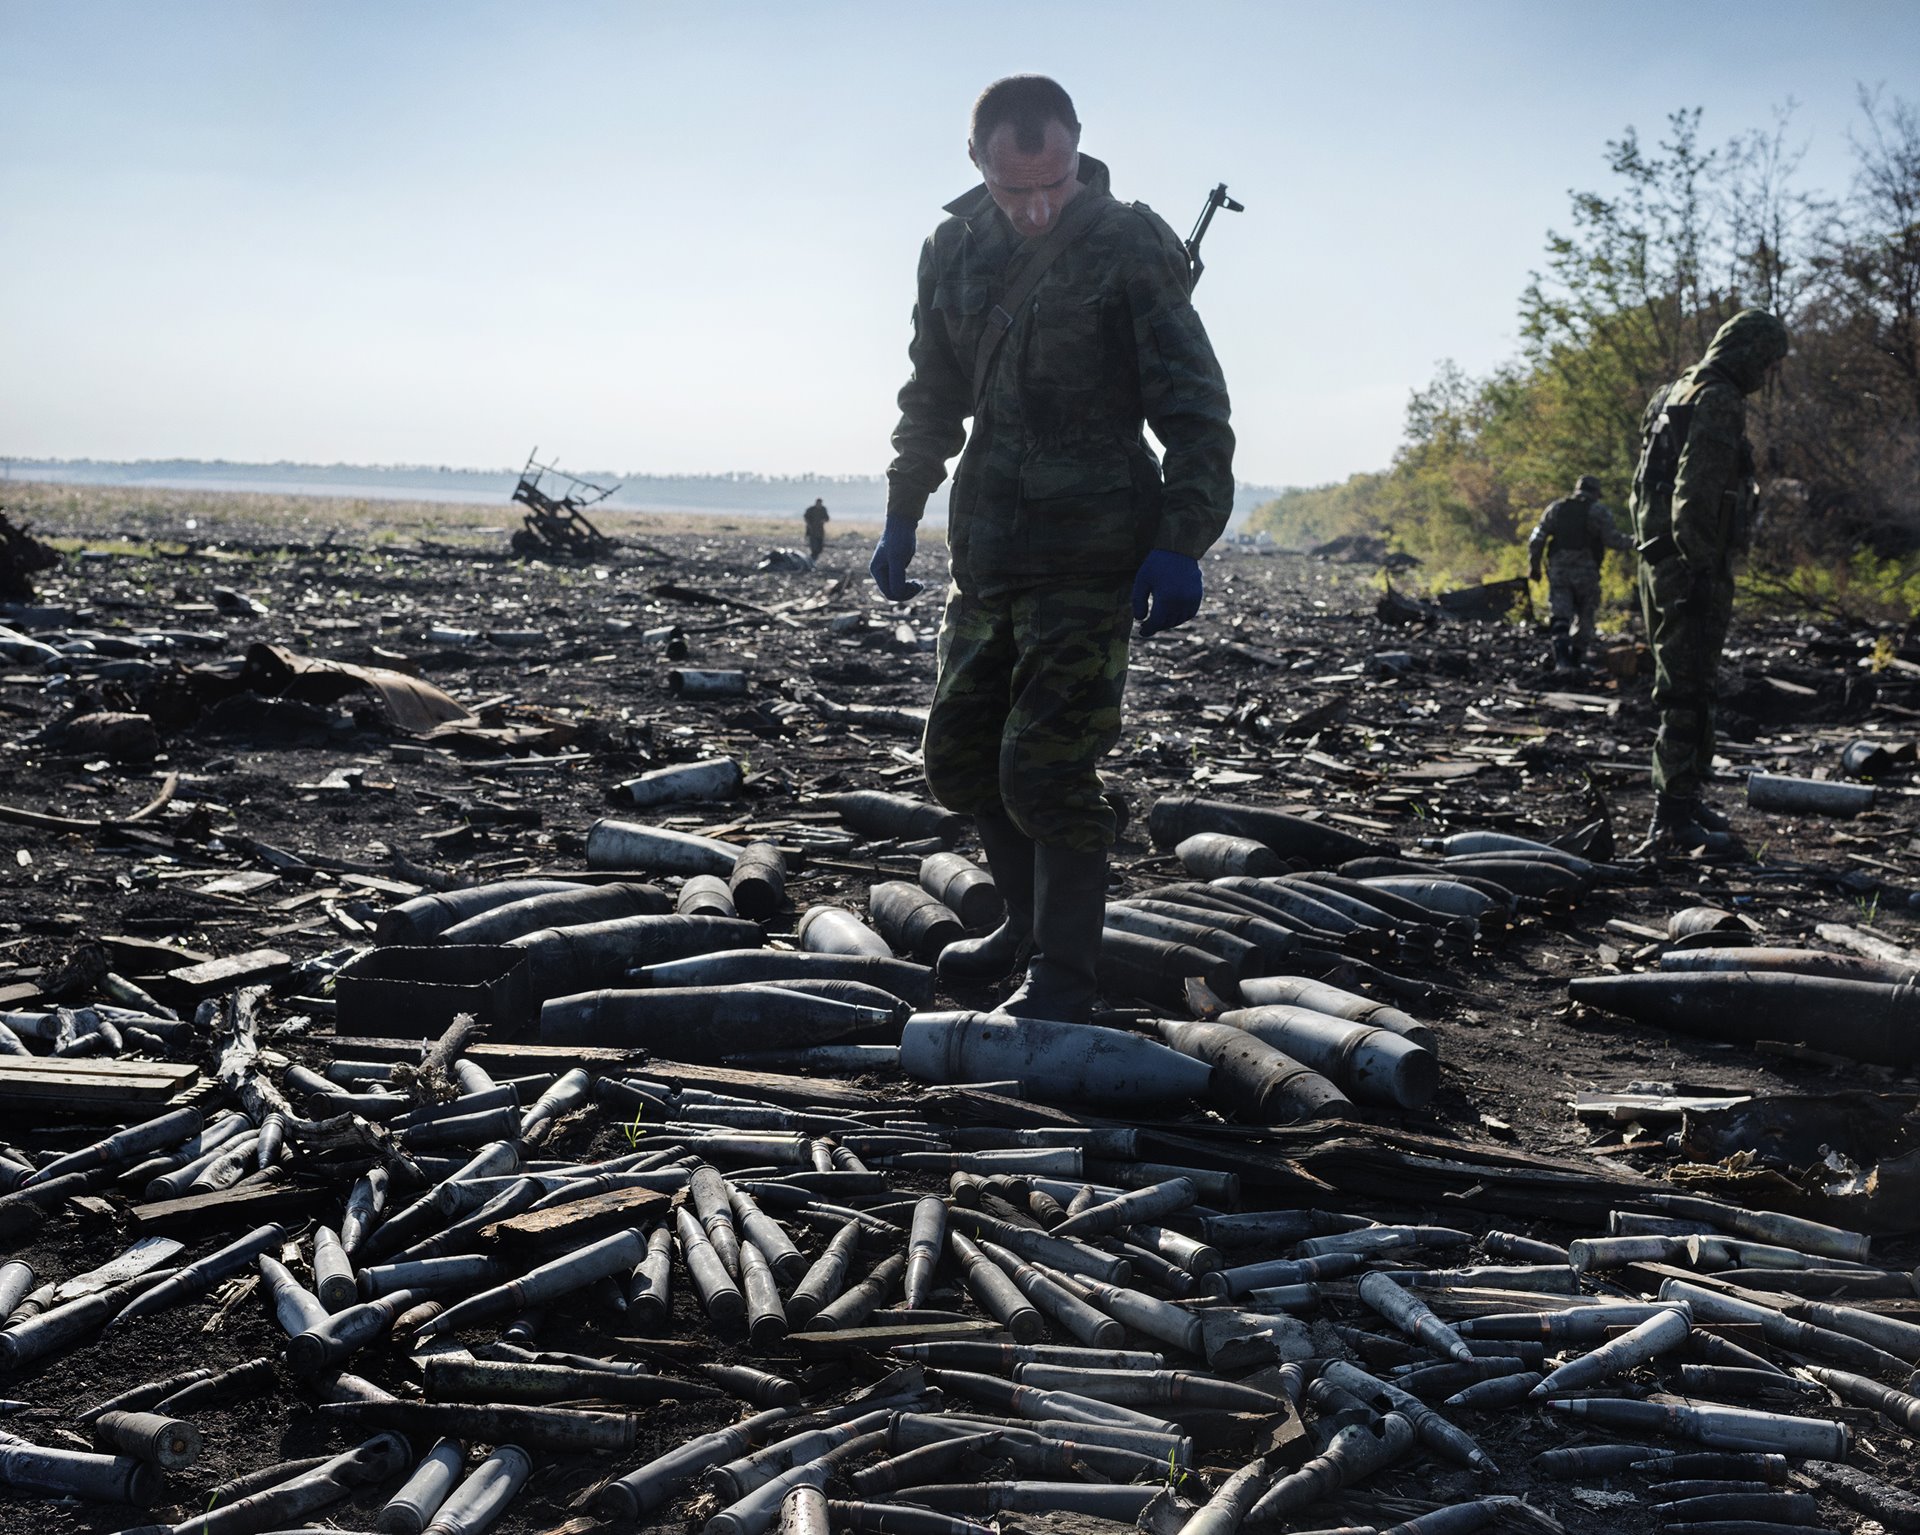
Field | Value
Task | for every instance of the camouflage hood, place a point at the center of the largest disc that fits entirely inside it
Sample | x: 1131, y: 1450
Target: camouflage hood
x: 1744, y: 348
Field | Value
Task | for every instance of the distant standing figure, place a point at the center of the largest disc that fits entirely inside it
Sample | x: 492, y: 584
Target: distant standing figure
x: 1574, y: 535
x: 816, y: 520
x: 1694, y: 499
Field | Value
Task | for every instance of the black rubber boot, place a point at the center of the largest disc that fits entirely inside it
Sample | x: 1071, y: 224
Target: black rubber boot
x: 1563, y: 656
x: 1010, y: 857
x: 1679, y: 826
x: 1069, y: 911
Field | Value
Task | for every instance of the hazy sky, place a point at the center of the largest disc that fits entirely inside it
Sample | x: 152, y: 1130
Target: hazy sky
x: 681, y: 238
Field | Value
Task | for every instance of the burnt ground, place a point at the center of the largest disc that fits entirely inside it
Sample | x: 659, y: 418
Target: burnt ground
x: 1432, y: 726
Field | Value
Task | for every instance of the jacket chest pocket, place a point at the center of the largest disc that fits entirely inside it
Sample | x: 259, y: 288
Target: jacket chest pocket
x: 1065, y: 335
x: 962, y: 304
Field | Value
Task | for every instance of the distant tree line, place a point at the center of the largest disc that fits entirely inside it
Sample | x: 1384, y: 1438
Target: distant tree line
x: 1628, y: 296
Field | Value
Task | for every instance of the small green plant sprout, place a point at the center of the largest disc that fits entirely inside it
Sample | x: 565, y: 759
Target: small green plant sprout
x: 633, y: 1130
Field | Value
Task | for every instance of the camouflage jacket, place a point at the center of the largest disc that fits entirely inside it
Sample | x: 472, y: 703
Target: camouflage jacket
x: 1693, y: 492
x: 1576, y: 532
x: 1057, y: 478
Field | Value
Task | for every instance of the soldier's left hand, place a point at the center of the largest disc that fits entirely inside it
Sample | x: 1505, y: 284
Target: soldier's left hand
x: 1167, y: 591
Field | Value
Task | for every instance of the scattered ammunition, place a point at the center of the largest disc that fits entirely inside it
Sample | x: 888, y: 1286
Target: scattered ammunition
x: 1381, y: 1239
x: 1120, y: 1503
x: 1897, y: 1406
x: 27, y: 1467
x: 1576, y: 1324
x: 16, y: 1280
x: 144, y: 1395
x: 1148, y: 1204
x: 561, y: 1429
x: 822, y: 1281
x: 1591, y: 1254
x: 450, y: 1378
x: 202, y: 1274
x: 242, y: 1380
x: 719, y: 1295
x: 736, y: 967
x: 1143, y: 1313
x: 1729, y: 1383
x: 53, y: 1332
x: 963, y: 888
x: 759, y: 1387
x: 650, y: 1288
x: 1411, y: 1316
x: 285, y: 1504
x: 786, y: 1260
x: 766, y: 1317
x: 919, y: 1466
x: 1497, y: 1392
x: 1462, y: 1518
x: 1723, y: 1428
x: 333, y: 1279
x: 924, y: 1240
x: 758, y: 883
x: 1425, y: 1380
x: 995, y: 1290
x: 834, y: 930
x: 160, y: 1441
x: 1782, y: 1331
x: 420, y: 1496
x: 1069, y: 1311
x: 364, y: 1204
x: 568, y: 1092
x: 1780, y: 1508
x: 1165, y: 1449
x: 122, y: 1147
x: 345, y: 1333
x: 706, y: 895
x: 616, y: 1254
x: 1151, y: 1388
x: 1433, y: 1430
x: 911, y: 920
x: 1261, y: 1227
x: 574, y: 906
x: 426, y: 917
x: 736, y: 1478
x: 714, y: 1207
x: 1656, y: 1336
x: 857, y: 1304
x: 705, y: 1022
x: 651, y: 1486
x: 1074, y: 1061
x: 1298, y: 991
x: 1355, y: 1453
x: 1042, y: 1247
x: 448, y: 1200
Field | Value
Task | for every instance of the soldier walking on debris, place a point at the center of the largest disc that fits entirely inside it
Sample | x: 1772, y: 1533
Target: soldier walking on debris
x: 1574, y: 535
x: 816, y: 520
x: 1059, y: 319
x: 1694, y: 499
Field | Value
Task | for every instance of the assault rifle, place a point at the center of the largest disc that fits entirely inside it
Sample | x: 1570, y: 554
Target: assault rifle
x: 1216, y: 200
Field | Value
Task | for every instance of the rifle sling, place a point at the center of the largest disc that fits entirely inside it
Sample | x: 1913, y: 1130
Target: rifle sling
x: 1001, y: 317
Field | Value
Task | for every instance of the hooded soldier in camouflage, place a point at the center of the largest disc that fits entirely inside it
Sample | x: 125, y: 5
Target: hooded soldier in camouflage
x: 1694, y: 499
x: 1573, y: 535
x: 1058, y: 318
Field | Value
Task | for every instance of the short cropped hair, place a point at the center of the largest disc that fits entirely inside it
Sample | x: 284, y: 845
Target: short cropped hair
x: 1028, y: 103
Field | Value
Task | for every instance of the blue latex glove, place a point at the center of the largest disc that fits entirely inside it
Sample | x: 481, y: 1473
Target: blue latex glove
x: 890, y: 560
x: 1173, y: 583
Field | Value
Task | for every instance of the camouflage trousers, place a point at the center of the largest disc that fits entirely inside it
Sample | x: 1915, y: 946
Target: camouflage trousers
x: 1573, y: 599
x: 1026, y: 703
x: 1687, y: 621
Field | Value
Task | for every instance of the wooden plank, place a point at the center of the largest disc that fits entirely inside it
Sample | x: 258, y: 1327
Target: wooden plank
x: 94, y: 1081
x: 254, y: 968
x: 774, y: 1086
x: 18, y: 995
x: 230, y: 1209
x: 133, y: 955
x: 579, y: 1221
x: 514, y: 1060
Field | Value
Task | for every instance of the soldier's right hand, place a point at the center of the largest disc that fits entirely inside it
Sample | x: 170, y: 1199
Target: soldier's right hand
x: 890, y: 560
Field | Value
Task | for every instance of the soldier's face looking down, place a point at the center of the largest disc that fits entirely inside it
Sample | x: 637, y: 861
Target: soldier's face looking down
x: 1030, y: 189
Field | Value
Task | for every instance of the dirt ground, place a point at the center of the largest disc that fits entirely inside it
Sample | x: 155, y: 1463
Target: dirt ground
x: 1442, y: 725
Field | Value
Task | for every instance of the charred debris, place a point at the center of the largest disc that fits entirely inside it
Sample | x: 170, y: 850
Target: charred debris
x: 523, y: 1099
